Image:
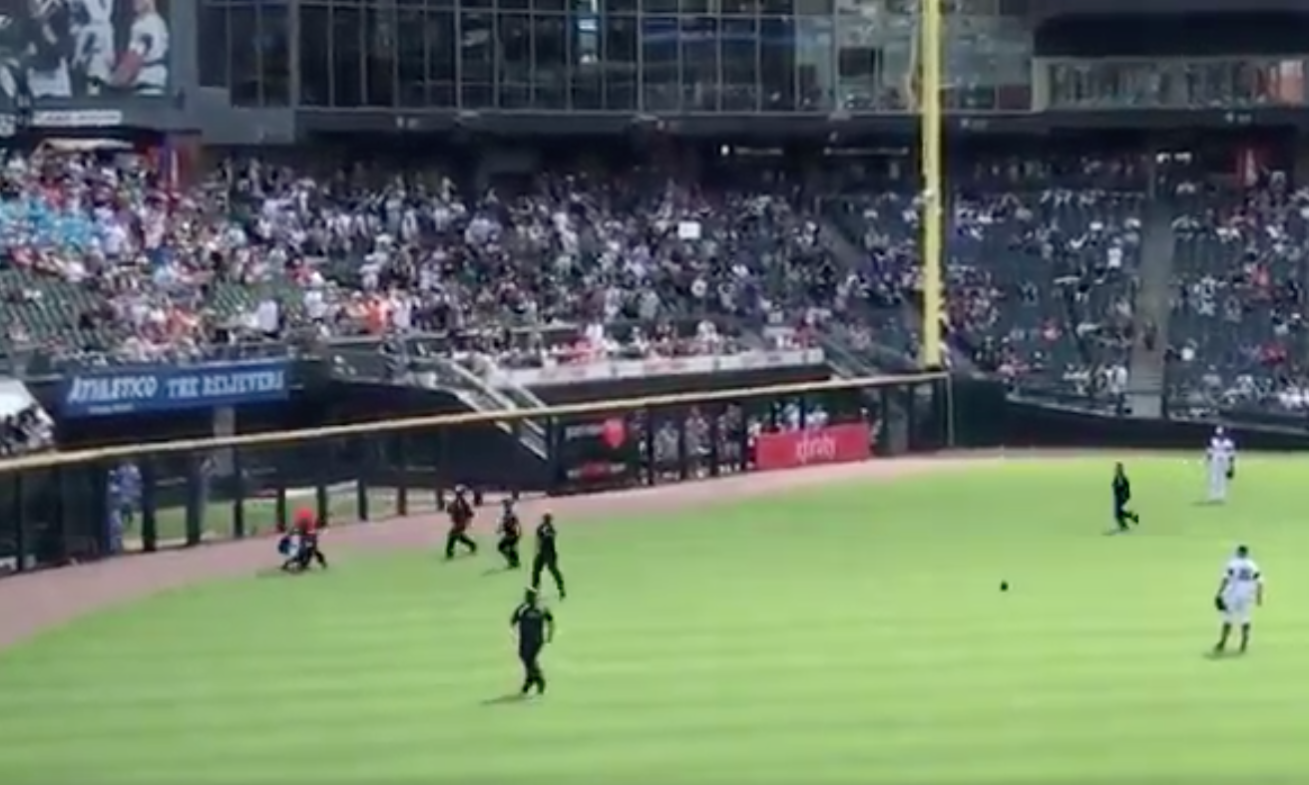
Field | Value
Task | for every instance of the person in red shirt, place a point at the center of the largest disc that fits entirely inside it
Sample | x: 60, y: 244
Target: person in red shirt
x: 301, y: 545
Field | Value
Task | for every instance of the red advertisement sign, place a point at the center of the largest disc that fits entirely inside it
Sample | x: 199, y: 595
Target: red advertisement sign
x: 794, y: 449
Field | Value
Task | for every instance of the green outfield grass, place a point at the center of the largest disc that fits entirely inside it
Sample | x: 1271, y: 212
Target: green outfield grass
x: 855, y: 635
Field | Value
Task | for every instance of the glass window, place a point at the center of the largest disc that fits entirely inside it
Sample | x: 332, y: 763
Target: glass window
x: 215, y: 47
x: 620, y: 50
x: 477, y: 59
x: 315, y: 55
x: 550, y: 59
x: 275, y: 54
x: 813, y: 7
x: 347, y: 57
x: 585, y: 29
x: 739, y: 7
x: 777, y: 63
x: 411, y: 57
x: 621, y: 6
x: 739, y: 50
x: 971, y: 7
x: 245, y: 58
x: 586, y: 78
x: 379, y: 54
x: 514, y: 76
x: 815, y: 76
x: 699, y: 72
x: 859, y: 64
x: 659, y: 39
x: 442, y: 57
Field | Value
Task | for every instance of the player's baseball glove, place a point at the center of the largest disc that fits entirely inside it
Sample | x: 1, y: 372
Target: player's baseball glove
x: 1219, y: 604
x: 1231, y: 473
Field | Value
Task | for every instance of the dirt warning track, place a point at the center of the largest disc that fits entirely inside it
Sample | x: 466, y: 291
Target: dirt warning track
x: 30, y: 603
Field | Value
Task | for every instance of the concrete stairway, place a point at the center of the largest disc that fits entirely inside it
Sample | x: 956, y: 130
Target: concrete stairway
x: 1145, y: 381
x: 482, y: 397
x: 438, y: 373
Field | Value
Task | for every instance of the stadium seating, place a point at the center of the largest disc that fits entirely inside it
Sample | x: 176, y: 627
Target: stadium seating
x: 1039, y: 277
x: 1041, y: 267
x: 1236, y: 323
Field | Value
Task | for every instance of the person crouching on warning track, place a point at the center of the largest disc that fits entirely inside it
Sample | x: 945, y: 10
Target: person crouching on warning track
x: 300, y: 546
x: 461, y: 517
x: 511, y: 532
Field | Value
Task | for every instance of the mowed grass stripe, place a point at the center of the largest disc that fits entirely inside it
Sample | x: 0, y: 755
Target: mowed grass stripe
x: 853, y: 635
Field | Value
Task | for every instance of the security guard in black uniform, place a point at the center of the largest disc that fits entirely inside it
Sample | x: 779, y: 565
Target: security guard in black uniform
x: 461, y: 517
x: 1122, y: 497
x: 547, y: 555
x: 511, y: 531
x: 536, y: 627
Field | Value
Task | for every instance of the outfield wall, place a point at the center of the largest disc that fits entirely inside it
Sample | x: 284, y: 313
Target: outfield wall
x: 66, y: 507
x: 1028, y: 424
x: 71, y: 506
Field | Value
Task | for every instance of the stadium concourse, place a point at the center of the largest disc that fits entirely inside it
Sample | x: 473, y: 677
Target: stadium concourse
x: 1049, y: 262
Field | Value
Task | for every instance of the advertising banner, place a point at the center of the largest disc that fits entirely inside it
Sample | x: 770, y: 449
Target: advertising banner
x: 97, y: 52
x: 813, y: 447
x: 599, y: 453
x: 146, y: 389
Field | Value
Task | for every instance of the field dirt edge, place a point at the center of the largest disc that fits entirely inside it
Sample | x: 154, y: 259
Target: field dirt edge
x: 31, y: 603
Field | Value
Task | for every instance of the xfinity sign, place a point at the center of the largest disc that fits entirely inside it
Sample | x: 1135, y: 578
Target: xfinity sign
x: 172, y: 388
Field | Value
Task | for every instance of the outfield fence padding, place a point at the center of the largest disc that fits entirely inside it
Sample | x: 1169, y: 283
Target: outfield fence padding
x: 74, y: 505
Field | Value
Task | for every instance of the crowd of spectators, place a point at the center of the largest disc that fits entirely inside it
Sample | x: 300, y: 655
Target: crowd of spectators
x: 1041, y: 263
x: 1237, y: 313
x: 26, y: 431
x: 108, y: 261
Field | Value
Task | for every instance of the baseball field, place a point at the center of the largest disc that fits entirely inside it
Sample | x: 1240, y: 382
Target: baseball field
x: 840, y: 625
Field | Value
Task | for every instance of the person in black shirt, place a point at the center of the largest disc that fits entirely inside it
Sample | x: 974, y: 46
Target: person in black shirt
x: 536, y: 627
x: 50, y: 48
x: 547, y: 555
x: 511, y: 531
x: 461, y: 517
x: 1122, y: 496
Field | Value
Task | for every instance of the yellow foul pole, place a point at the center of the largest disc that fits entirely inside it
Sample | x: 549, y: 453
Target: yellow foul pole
x: 929, y: 132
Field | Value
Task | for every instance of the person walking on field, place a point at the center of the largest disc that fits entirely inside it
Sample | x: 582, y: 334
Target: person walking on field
x: 461, y: 517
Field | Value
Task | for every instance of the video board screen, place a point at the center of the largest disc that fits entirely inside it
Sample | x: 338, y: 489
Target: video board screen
x: 61, y: 50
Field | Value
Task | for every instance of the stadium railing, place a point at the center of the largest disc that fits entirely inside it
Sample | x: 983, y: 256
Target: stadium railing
x: 66, y: 507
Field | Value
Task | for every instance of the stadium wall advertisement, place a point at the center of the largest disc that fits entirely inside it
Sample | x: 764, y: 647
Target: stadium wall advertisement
x: 596, y: 454
x: 813, y: 447
x: 144, y: 389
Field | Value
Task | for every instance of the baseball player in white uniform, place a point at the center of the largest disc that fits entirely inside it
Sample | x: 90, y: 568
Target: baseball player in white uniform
x: 143, y: 68
x: 93, y: 36
x: 1241, y: 589
x: 1220, y: 464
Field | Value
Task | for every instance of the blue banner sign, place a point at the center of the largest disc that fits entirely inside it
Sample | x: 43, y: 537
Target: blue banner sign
x: 146, y: 389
